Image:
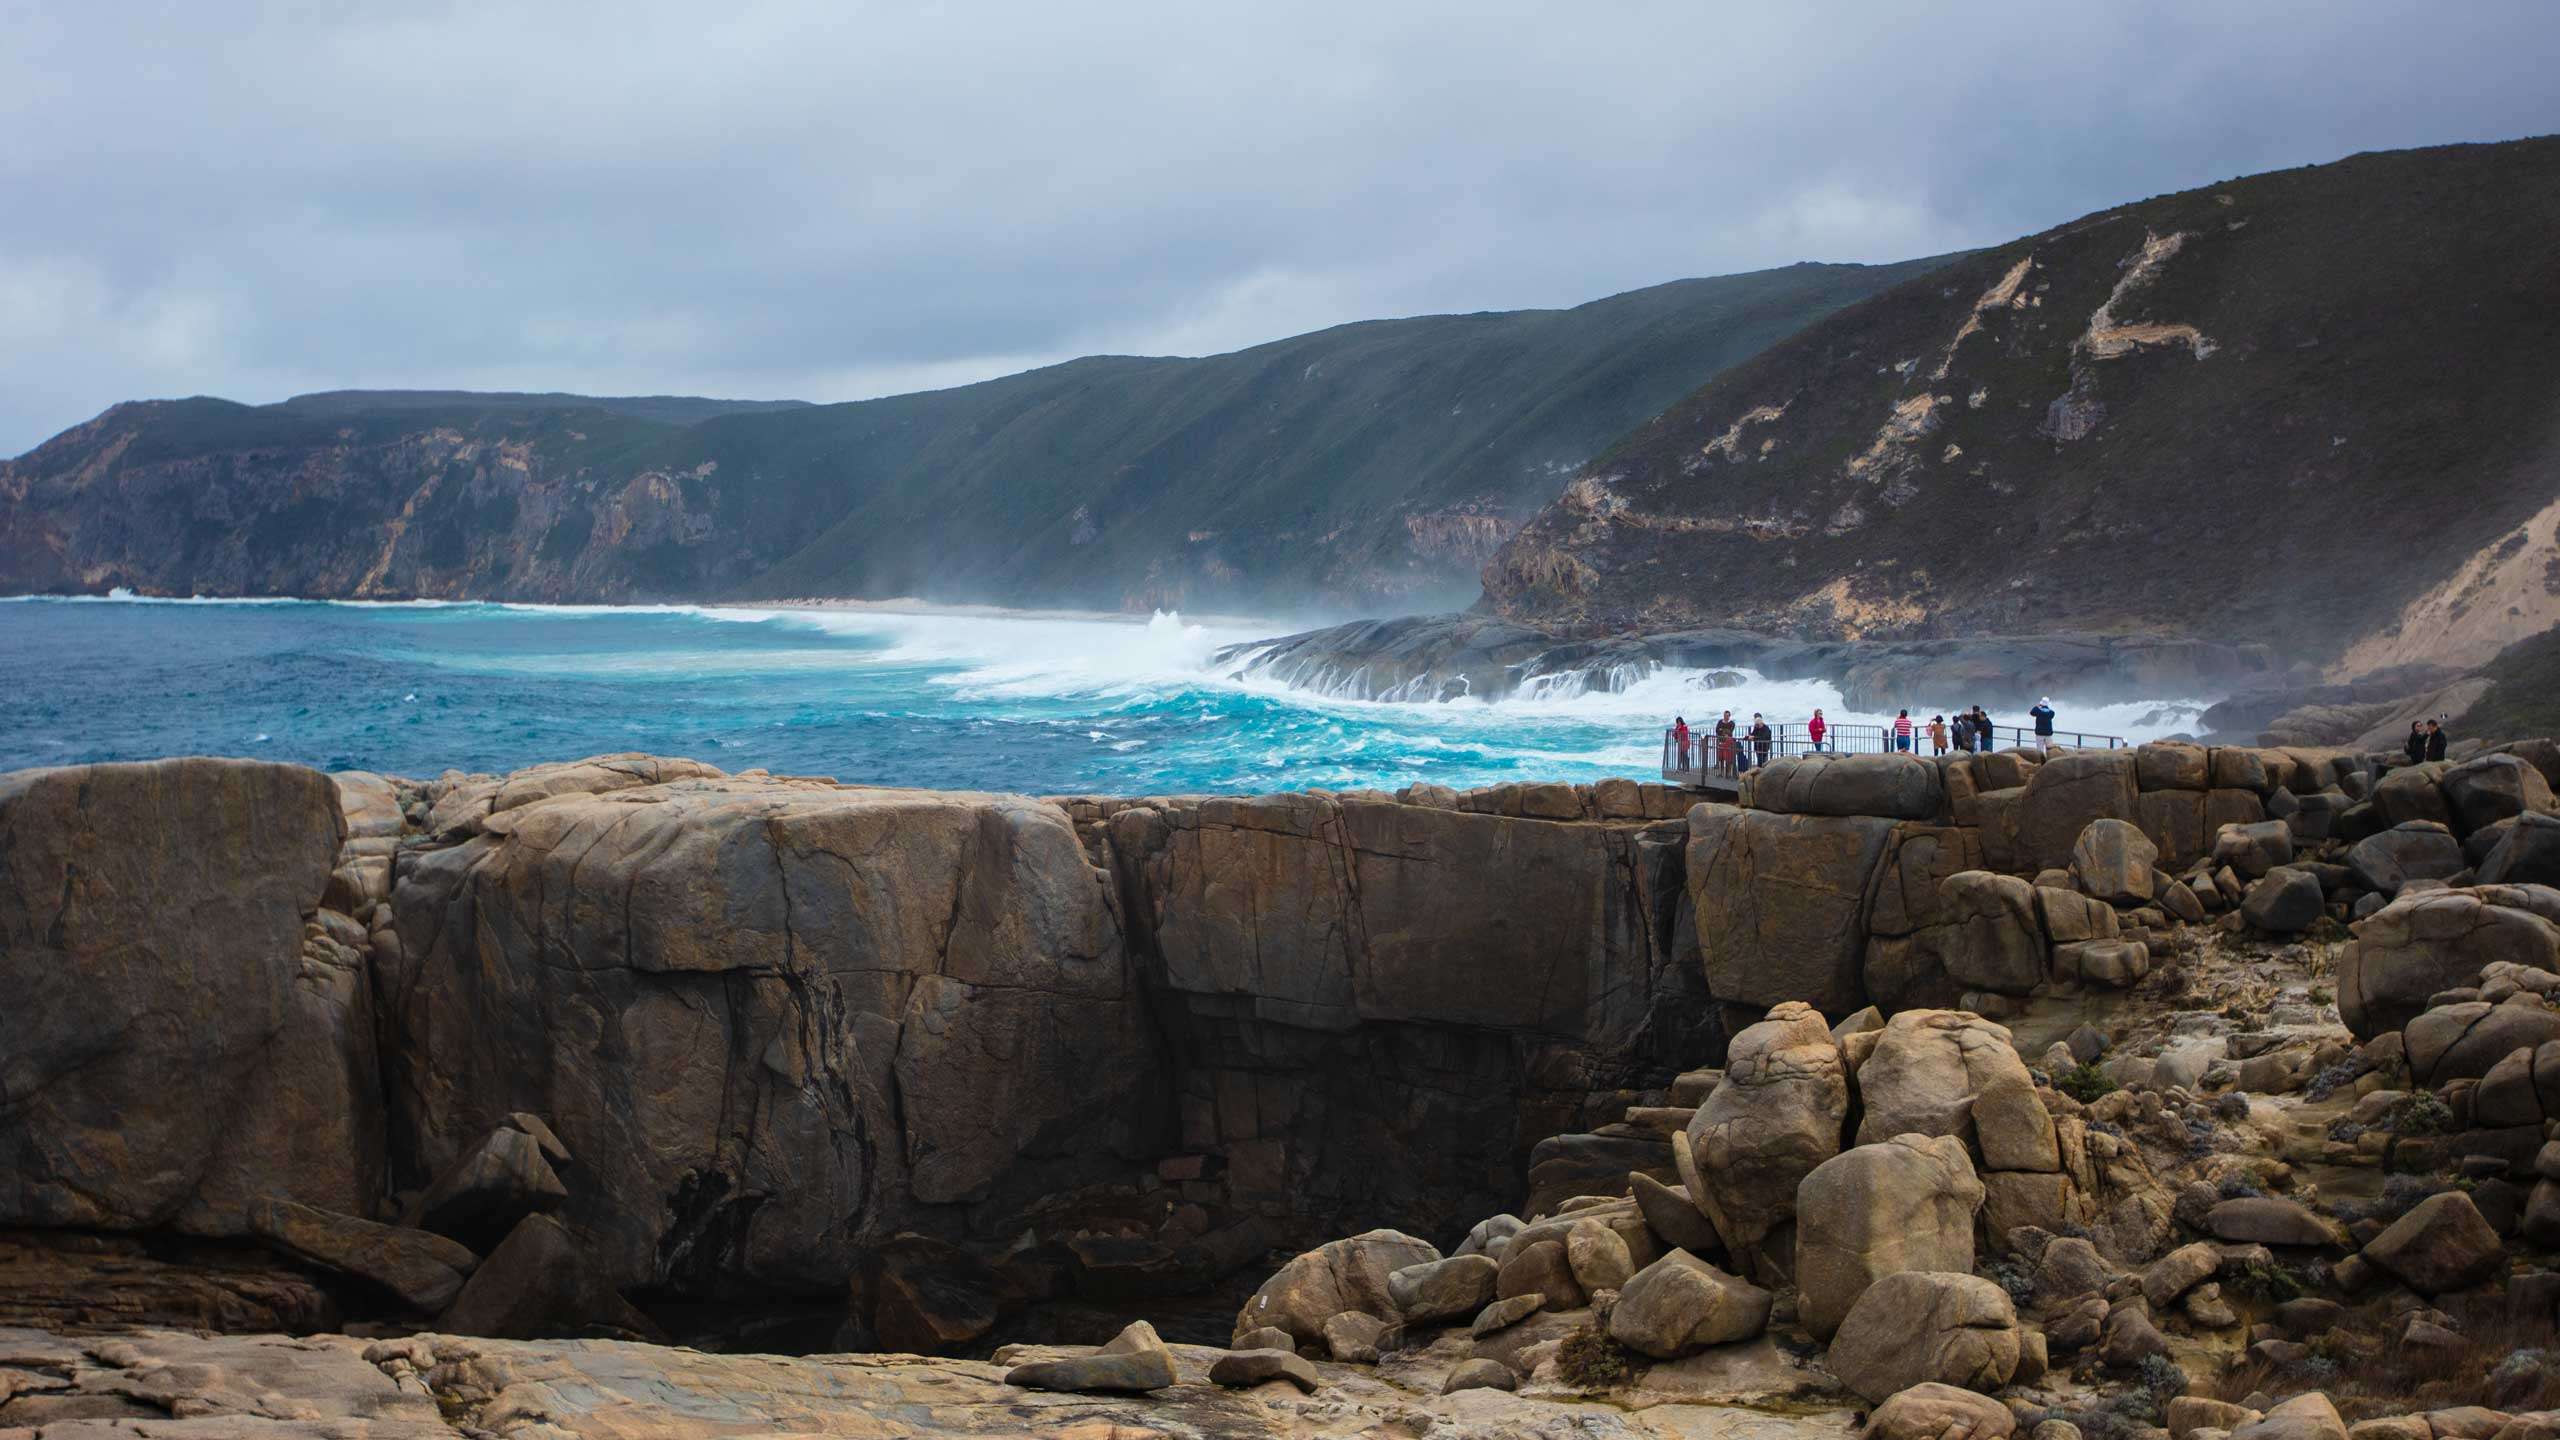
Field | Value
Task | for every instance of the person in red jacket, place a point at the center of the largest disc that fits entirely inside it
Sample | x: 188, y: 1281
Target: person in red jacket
x: 1816, y: 728
x: 1680, y: 738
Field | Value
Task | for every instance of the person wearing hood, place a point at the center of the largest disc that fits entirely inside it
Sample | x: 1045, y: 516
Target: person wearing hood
x: 2043, y: 711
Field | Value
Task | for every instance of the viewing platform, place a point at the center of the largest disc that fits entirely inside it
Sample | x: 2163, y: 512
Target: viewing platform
x: 1700, y: 772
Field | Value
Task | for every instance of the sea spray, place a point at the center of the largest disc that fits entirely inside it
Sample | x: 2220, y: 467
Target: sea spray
x: 976, y: 700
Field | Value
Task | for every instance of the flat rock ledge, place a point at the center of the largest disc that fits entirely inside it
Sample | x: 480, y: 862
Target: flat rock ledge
x: 436, y: 1387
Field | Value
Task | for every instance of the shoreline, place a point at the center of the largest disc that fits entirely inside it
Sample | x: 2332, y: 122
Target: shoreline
x: 900, y: 605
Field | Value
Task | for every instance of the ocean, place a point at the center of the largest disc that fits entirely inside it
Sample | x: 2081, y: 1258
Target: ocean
x: 1035, y: 703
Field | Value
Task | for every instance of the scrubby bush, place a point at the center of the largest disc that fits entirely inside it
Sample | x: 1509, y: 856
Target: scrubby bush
x: 2241, y: 1185
x: 2270, y: 1282
x: 2013, y: 1275
x: 1591, y: 1362
x: 2231, y: 1107
x: 2085, y: 1083
x: 2334, y: 1079
x: 2345, y: 1131
x: 2418, y: 1114
x: 2161, y: 1376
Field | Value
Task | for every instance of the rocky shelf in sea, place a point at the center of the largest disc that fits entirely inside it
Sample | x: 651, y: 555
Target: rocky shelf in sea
x: 2183, y: 1088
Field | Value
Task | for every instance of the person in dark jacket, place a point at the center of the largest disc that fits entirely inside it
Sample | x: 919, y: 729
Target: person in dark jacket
x: 2042, y: 710
x: 1762, y: 737
x: 2416, y: 749
x: 2435, y: 740
x: 1984, y: 735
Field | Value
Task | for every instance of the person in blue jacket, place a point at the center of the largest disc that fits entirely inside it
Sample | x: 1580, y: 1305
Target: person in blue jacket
x: 2043, y: 711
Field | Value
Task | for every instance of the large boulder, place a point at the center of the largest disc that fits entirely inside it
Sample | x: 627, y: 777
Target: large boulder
x: 1680, y: 1304
x: 1906, y: 1204
x: 171, y: 1050
x: 2442, y: 1244
x: 1776, y: 1116
x: 2268, y: 1220
x: 1901, y: 787
x: 2424, y: 944
x: 1951, y: 1072
x: 1438, y: 1290
x: 2064, y: 795
x: 1909, y: 920
x: 2175, y: 821
x: 2488, y: 788
x: 2112, y: 861
x: 2418, y: 850
x: 2527, y: 853
x: 2413, y: 792
x: 2171, y: 765
x: 1936, y: 1412
x: 2254, y: 849
x: 2284, y: 901
x: 426, y: 1271
x: 1351, y: 1274
x: 498, y: 1182
x: 2464, y: 1041
x: 1781, y: 902
x: 778, y: 1022
x: 1992, y: 939
x: 1920, y: 1327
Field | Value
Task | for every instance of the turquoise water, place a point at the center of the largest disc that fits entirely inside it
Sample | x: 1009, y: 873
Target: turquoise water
x: 1045, y: 705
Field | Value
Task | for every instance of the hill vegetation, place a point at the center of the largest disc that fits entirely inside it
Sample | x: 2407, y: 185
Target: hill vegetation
x: 1370, y: 465
x: 2279, y: 409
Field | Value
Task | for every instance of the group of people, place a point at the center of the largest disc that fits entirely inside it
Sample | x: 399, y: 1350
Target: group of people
x: 1734, y: 749
x: 2426, y: 741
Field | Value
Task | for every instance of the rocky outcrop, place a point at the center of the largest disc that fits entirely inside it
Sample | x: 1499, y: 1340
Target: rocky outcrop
x: 172, y: 1051
x: 777, y: 1036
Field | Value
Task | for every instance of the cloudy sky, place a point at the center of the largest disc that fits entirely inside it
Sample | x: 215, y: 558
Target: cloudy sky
x: 832, y: 200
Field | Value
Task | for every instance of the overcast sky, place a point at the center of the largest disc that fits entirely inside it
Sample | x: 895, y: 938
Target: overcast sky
x: 829, y: 200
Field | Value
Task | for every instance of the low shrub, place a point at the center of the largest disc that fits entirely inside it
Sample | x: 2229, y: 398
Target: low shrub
x: 2085, y: 1083
x: 1591, y: 1362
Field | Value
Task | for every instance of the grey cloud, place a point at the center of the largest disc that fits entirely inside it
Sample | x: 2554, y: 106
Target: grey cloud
x: 827, y: 200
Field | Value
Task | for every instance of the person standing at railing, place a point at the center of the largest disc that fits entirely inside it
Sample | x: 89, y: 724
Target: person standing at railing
x: 2043, y: 711
x: 1761, y: 737
x: 1815, y: 729
x: 1986, y: 735
x: 1725, y: 765
x: 1902, y: 732
x: 1680, y: 738
x: 1937, y: 734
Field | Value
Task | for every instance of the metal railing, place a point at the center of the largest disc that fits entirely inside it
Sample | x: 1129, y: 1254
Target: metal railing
x: 1705, y: 762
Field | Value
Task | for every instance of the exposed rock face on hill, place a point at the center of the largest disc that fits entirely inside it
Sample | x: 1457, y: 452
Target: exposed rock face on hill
x: 1372, y: 464
x: 2282, y: 408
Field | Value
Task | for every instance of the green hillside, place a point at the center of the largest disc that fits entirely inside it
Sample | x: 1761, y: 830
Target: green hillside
x: 1374, y: 464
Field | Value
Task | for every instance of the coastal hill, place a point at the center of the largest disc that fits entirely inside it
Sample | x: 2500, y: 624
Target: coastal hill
x: 2316, y: 408
x: 1373, y: 465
